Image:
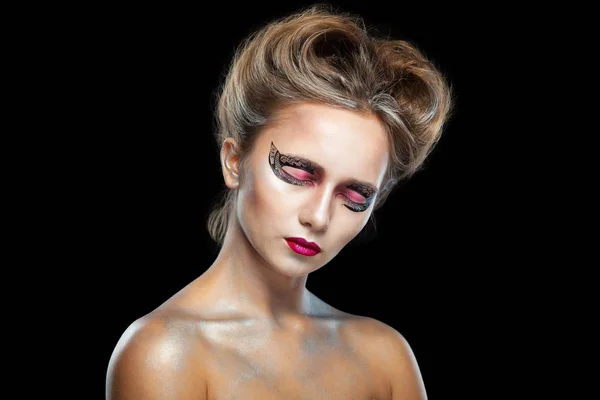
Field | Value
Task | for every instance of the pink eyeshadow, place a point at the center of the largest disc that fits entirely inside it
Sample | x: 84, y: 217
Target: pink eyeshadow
x: 298, y: 173
x: 355, y: 197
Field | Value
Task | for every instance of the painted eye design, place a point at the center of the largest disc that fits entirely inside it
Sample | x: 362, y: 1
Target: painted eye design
x: 365, y: 192
x: 296, y: 176
x: 278, y: 161
x: 352, y: 207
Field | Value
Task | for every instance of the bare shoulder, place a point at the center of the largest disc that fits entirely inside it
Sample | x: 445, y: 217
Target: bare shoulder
x: 389, y: 350
x: 158, y: 356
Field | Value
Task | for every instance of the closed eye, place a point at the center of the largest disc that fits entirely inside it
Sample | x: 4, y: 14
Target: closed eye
x: 355, y: 197
x: 297, y: 173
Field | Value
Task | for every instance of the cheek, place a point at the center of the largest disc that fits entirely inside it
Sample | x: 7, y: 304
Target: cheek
x: 260, y: 203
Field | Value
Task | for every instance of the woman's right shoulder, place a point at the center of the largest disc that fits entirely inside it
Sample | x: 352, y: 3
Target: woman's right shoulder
x: 158, y: 356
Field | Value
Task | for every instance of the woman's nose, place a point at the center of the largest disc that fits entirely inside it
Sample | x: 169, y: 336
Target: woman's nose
x: 317, y: 212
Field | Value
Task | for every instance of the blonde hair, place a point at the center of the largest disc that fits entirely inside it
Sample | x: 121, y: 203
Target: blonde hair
x: 317, y: 55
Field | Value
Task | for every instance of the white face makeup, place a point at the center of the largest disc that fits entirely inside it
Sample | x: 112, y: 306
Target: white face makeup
x: 313, y: 174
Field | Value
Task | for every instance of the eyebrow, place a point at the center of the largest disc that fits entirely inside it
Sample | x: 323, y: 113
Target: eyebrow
x: 364, y: 188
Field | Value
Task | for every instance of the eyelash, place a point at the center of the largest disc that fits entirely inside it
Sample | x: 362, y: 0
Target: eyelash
x: 352, y: 206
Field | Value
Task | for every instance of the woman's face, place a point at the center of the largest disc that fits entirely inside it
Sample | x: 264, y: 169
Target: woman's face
x: 313, y: 174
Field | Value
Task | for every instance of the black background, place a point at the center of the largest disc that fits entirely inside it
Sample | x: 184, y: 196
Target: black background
x: 145, y: 173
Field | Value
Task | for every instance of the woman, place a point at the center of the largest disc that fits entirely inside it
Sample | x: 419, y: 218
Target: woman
x: 318, y: 121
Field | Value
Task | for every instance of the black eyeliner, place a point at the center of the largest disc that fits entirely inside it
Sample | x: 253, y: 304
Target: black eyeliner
x: 277, y: 161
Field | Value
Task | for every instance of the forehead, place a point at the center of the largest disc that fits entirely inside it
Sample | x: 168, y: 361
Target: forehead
x: 344, y: 142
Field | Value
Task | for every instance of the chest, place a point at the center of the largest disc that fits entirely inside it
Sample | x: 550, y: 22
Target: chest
x: 310, y: 370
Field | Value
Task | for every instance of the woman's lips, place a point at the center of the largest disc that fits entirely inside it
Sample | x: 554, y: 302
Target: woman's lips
x: 302, y: 246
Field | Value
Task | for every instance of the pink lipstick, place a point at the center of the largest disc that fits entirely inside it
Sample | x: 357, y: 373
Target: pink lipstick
x: 301, y: 246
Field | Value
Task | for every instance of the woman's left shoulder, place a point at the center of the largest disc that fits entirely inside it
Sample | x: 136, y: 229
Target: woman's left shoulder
x: 388, y: 351
x: 371, y: 327
x: 379, y: 339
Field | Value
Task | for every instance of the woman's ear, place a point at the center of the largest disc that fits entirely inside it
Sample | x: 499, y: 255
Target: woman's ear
x: 230, y: 161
